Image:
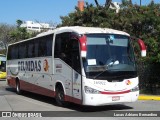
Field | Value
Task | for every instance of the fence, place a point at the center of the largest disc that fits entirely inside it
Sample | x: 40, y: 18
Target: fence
x: 149, y: 78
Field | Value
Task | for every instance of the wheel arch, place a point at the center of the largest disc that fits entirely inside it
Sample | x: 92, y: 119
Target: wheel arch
x: 59, y: 83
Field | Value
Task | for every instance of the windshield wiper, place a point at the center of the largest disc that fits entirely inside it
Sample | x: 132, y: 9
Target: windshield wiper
x: 107, y: 68
x: 100, y: 73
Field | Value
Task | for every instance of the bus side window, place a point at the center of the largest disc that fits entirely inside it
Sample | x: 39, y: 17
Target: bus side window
x: 36, y: 47
x: 14, y: 52
x: 75, y: 53
x: 61, y: 46
x: 57, y: 47
x: 22, y: 48
x: 49, y: 40
x: 9, y: 57
x: 68, y: 50
x: 42, y: 47
x: 31, y: 50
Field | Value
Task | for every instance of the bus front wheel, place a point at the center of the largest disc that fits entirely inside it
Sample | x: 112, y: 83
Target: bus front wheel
x: 60, y: 96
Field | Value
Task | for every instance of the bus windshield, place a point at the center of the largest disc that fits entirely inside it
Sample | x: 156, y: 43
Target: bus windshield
x: 109, y: 57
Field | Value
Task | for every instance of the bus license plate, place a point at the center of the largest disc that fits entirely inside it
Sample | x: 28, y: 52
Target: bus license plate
x: 115, y: 98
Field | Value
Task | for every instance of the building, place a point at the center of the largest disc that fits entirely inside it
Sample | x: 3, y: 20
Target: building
x: 36, y: 26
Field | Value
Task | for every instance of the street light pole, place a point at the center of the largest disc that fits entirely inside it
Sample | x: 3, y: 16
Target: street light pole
x: 140, y: 2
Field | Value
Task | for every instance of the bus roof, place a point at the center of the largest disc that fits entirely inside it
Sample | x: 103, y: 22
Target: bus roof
x: 79, y: 30
x: 84, y: 30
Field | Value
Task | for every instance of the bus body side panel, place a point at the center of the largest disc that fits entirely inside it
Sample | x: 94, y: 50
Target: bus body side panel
x: 35, y: 75
x: 11, y: 81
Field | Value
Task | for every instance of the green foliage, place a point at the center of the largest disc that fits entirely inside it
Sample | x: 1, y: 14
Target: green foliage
x: 139, y: 21
x: 10, y: 34
x: 20, y: 33
x: 126, y: 2
x: 19, y: 22
x: 5, y: 29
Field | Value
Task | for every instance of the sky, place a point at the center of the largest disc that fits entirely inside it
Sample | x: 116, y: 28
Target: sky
x: 42, y: 10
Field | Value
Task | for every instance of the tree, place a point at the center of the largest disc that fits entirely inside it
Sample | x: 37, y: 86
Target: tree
x: 20, y: 33
x: 126, y: 4
x: 5, y: 36
x: 19, y: 23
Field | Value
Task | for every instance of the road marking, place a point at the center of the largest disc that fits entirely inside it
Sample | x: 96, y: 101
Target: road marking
x: 143, y: 97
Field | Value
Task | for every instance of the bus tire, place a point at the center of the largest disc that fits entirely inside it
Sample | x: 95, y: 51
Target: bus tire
x: 60, y: 96
x: 18, y: 89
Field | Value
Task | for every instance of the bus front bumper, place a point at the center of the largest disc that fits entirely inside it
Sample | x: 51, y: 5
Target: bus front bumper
x: 104, y: 99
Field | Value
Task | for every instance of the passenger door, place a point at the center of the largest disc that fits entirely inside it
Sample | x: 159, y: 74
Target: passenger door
x: 76, y: 66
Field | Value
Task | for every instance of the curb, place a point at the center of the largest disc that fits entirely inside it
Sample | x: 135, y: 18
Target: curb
x: 148, y: 97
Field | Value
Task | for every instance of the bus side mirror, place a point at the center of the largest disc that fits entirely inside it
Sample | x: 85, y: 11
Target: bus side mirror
x: 142, y: 47
x: 83, y: 46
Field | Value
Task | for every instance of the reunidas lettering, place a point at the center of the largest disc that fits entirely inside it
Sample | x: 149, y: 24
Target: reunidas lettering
x: 29, y: 65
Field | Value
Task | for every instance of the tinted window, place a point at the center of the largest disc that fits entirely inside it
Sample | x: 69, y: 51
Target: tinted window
x: 38, y: 47
x: 22, y: 50
x: 31, y: 50
x: 13, y: 52
x: 75, y: 55
x: 9, y: 53
x: 67, y: 49
x: 45, y: 46
x: 42, y: 47
x: 62, y: 47
x: 49, y: 46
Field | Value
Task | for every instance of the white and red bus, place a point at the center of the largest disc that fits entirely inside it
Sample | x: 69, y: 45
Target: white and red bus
x: 83, y: 65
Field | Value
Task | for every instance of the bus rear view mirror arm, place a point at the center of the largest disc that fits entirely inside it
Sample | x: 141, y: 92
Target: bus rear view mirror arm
x: 141, y: 45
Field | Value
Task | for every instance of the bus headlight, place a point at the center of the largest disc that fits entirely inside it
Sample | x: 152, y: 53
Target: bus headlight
x: 135, y: 89
x: 90, y: 90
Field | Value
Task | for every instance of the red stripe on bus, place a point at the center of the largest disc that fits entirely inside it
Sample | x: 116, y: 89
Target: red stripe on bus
x: 40, y: 90
x: 113, y: 93
x: 72, y: 99
x: 11, y: 82
x: 36, y: 89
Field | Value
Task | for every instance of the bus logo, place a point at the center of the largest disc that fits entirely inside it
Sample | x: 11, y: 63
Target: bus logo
x: 128, y: 82
x: 46, y: 65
